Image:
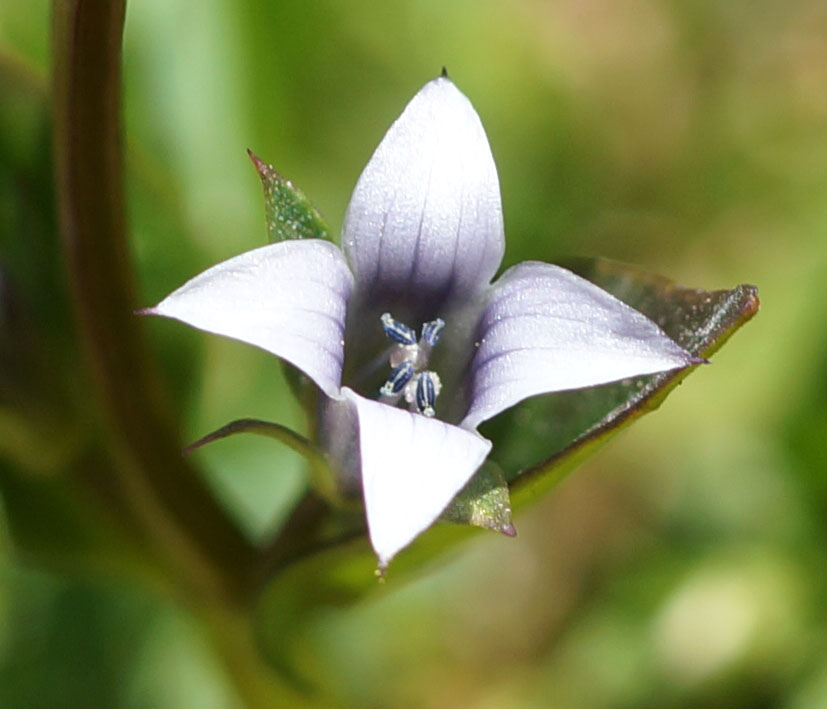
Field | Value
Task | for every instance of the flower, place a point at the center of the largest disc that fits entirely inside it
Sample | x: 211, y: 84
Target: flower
x: 421, y: 243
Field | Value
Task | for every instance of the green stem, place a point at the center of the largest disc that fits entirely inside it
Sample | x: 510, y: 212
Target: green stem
x: 189, y: 529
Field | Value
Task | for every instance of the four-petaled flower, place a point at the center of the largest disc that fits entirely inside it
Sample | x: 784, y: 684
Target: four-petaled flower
x: 422, y: 241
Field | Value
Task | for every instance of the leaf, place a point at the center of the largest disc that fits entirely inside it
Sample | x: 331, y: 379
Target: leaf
x: 542, y: 439
x: 289, y: 213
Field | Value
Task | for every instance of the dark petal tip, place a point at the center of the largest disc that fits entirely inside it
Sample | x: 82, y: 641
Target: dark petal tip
x: 145, y: 311
x: 444, y: 73
x: 509, y: 530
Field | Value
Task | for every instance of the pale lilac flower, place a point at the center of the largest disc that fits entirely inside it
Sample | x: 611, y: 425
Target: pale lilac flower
x: 404, y: 322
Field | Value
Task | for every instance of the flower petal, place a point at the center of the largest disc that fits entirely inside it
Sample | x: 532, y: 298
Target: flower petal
x: 412, y: 467
x: 288, y: 298
x: 425, y: 218
x: 546, y: 329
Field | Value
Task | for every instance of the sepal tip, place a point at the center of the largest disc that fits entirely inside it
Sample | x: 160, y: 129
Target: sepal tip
x: 260, y: 165
x: 266, y: 171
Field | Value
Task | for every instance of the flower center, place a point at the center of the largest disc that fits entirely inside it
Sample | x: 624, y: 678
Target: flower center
x: 409, y: 359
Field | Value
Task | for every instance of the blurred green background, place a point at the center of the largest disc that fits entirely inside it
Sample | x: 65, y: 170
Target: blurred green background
x: 684, y: 565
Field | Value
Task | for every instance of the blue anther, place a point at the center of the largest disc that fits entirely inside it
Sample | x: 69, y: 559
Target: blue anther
x: 431, y: 331
x: 399, y: 377
x: 425, y: 394
x: 397, y: 331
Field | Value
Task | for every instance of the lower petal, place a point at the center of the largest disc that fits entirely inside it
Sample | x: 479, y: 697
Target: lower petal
x: 412, y: 467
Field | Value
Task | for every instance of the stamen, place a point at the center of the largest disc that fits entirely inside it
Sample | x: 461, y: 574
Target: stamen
x: 399, y: 377
x: 431, y: 331
x: 407, y: 359
x: 427, y: 389
x: 397, y: 331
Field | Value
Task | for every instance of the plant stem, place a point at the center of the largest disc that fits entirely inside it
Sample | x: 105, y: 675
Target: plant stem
x: 188, y: 527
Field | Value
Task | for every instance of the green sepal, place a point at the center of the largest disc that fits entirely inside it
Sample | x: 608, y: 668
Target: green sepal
x: 483, y: 502
x: 288, y: 212
x: 320, y: 471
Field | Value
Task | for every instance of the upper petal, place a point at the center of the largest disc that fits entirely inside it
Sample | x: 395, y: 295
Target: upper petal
x: 425, y: 218
x: 288, y: 298
x: 412, y: 467
x: 546, y: 329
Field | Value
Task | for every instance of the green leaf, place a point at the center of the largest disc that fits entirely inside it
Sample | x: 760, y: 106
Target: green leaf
x: 289, y: 213
x: 542, y: 439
